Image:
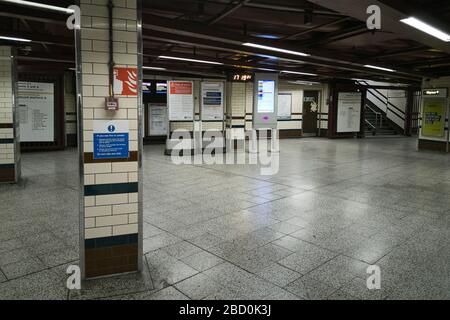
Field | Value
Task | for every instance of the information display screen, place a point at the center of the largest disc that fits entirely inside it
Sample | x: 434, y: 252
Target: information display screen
x: 266, y: 96
x: 161, y: 88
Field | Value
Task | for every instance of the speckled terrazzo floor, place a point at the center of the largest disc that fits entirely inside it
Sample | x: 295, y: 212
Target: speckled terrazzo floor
x: 226, y: 232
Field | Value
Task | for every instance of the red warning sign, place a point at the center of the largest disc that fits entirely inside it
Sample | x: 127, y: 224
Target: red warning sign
x: 126, y: 81
x: 180, y: 87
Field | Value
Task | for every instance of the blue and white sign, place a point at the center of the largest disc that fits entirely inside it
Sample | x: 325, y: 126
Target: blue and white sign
x: 111, y: 139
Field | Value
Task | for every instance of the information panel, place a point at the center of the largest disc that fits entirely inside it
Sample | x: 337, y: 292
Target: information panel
x: 180, y: 100
x: 111, y: 139
x: 433, y: 118
x: 36, y: 111
x: 212, y: 101
x: 349, y: 112
x: 157, y: 119
x: 265, y: 102
x: 284, y: 106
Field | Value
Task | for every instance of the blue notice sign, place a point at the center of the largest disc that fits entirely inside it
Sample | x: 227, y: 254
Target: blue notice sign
x: 109, y: 142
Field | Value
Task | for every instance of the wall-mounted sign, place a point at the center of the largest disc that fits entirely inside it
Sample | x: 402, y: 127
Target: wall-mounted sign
x: 349, y: 112
x: 181, y: 100
x: 433, y: 118
x: 284, y: 105
x: 157, y: 119
x: 240, y: 77
x: 438, y: 93
x: 111, y: 139
x: 126, y: 81
x: 111, y: 104
x: 212, y: 100
x: 36, y: 111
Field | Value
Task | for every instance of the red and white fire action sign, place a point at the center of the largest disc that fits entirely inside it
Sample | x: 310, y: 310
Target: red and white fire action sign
x: 126, y: 81
x: 180, y: 87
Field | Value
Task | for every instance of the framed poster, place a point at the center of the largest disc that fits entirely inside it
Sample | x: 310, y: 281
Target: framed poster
x: 212, y: 101
x: 111, y: 139
x: 284, y: 105
x: 180, y: 100
x: 349, y: 112
x: 433, y: 117
x: 36, y: 111
x: 157, y: 120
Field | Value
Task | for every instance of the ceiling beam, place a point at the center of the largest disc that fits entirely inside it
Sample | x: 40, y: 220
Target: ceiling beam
x: 316, y: 28
x: 234, y: 6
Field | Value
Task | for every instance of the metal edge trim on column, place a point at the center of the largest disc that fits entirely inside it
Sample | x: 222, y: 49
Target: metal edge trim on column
x: 16, y: 125
x: 140, y: 48
x: 79, y: 92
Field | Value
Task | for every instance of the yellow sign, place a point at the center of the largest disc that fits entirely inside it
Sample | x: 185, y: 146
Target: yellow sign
x: 433, y: 118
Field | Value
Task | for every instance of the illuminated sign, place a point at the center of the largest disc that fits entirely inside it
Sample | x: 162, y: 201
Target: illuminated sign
x: 241, y: 77
x: 440, y: 93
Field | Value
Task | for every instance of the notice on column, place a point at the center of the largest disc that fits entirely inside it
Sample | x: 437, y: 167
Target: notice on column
x: 36, y: 111
x: 111, y: 139
x: 181, y: 101
x: 349, y: 112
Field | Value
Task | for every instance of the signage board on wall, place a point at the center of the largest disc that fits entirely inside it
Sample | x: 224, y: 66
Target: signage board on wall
x: 212, y: 100
x: 181, y: 100
x: 111, y: 139
x: 126, y: 81
x: 36, y: 111
x: 157, y: 119
x: 433, y: 118
x: 284, y: 105
x: 349, y: 112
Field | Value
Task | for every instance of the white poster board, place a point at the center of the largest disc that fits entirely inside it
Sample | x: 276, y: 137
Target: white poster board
x: 180, y: 100
x: 212, y: 101
x: 284, y: 105
x: 157, y: 119
x: 349, y: 112
x: 36, y: 111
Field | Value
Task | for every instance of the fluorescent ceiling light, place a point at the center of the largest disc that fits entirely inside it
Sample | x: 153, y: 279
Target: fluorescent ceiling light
x: 14, y: 39
x: 301, y: 73
x: 266, y: 69
x: 191, y: 60
x: 153, y: 68
x: 424, y: 27
x: 259, y: 46
x: 40, y: 6
x: 378, y: 68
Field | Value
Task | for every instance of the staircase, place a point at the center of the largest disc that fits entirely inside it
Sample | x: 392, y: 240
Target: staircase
x: 376, y: 123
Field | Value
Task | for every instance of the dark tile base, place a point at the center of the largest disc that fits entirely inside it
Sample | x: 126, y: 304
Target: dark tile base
x: 112, y: 255
x: 7, y: 174
x: 432, y: 145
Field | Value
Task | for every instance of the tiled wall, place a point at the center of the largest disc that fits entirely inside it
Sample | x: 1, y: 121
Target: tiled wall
x: 110, y: 187
x: 240, y: 105
x: 9, y: 161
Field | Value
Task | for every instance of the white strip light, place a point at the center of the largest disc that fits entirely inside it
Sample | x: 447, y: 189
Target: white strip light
x: 190, y: 60
x: 259, y: 46
x: 154, y: 68
x: 424, y: 27
x: 40, y: 6
x: 301, y: 73
x: 14, y: 39
x: 378, y: 68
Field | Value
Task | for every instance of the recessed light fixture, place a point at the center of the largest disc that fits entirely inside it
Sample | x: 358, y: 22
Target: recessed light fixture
x: 378, y: 68
x: 154, y: 68
x: 187, y: 59
x: 425, y: 27
x: 260, y: 46
x: 40, y: 6
x: 301, y: 73
x: 14, y: 39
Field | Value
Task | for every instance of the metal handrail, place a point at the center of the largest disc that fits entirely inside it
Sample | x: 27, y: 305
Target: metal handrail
x: 367, y: 121
x: 377, y: 114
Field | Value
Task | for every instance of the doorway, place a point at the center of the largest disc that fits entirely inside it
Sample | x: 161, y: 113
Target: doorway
x: 310, y: 111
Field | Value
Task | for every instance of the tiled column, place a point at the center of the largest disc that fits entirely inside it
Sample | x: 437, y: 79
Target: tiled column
x: 112, y: 203
x: 9, y: 129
